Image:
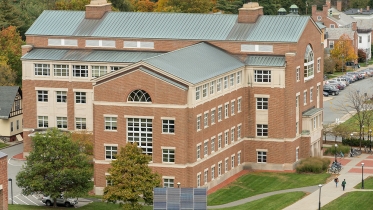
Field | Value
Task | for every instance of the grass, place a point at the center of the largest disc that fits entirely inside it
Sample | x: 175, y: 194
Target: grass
x: 274, y: 202
x: 353, y: 124
x: 335, y: 74
x: 368, y: 183
x: 261, y: 182
x: 352, y: 200
x: 2, y: 145
x: 90, y: 206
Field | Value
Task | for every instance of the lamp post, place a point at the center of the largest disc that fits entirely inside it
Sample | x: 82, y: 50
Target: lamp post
x: 178, y: 185
x: 363, y: 132
x: 362, y: 175
x: 370, y: 139
x: 320, y: 185
x: 366, y: 56
x: 351, y: 144
x: 335, y: 155
x: 11, y: 188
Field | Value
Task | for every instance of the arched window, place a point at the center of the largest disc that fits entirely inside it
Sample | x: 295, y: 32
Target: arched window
x: 308, y: 63
x: 139, y: 96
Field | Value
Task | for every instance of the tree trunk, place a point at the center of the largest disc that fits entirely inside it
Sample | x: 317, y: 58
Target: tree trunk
x: 54, y: 202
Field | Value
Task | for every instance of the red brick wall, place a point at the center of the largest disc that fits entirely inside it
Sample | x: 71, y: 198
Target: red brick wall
x: 4, y: 182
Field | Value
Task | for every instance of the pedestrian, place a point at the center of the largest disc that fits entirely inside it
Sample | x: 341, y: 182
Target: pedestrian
x: 336, y: 181
x: 344, y: 184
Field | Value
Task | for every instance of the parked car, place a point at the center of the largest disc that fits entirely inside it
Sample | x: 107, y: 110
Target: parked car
x: 60, y: 201
x: 339, y: 85
x: 326, y: 94
x: 331, y: 89
x: 348, y: 78
x: 342, y: 80
x: 352, y: 76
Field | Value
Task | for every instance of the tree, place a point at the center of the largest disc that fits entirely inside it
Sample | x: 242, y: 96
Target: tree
x: 85, y: 141
x: 144, y: 6
x: 122, y: 5
x: 229, y: 6
x: 329, y: 64
x: 358, y: 3
x: 131, y: 178
x: 185, y: 6
x: 362, y: 56
x: 343, y: 49
x: 71, y: 4
x: 327, y: 129
x: 55, y: 165
x: 8, y: 76
x: 9, y: 15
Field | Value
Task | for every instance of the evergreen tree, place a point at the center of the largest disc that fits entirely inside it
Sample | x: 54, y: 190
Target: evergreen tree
x: 9, y: 15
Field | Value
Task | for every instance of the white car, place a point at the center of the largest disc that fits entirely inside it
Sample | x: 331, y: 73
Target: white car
x: 60, y: 201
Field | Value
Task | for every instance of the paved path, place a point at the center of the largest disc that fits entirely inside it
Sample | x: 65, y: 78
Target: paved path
x: 351, y: 172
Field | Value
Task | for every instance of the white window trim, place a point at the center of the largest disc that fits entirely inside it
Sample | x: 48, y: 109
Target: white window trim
x: 111, y: 145
x: 297, y: 72
x: 318, y: 64
x: 221, y: 113
x: 311, y: 95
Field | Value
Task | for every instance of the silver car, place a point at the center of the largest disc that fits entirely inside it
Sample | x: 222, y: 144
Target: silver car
x: 60, y: 201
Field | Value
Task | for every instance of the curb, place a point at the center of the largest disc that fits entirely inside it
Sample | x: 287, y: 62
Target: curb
x: 11, y: 145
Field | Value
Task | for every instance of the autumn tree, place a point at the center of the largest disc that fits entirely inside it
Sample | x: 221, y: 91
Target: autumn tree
x: 71, y: 4
x: 362, y: 56
x: 55, y: 165
x: 122, y: 5
x: 144, y: 6
x: 85, y: 141
x: 329, y: 64
x: 131, y: 178
x: 229, y: 6
x: 185, y: 6
x: 343, y: 49
x: 8, y: 76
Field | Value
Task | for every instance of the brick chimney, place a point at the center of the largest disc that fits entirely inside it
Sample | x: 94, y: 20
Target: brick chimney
x: 249, y: 12
x: 314, y: 9
x: 26, y: 49
x: 339, y: 6
x: 328, y: 4
x: 368, y: 8
x: 325, y: 9
x: 96, y: 9
x: 354, y: 26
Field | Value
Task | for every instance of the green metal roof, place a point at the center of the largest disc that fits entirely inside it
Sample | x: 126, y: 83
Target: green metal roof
x: 262, y: 60
x: 88, y: 55
x: 293, y: 6
x: 196, y: 63
x: 281, y: 10
x: 7, y: 96
x: 155, y: 25
x: 311, y: 112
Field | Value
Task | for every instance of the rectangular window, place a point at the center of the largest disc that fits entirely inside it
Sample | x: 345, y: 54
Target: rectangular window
x: 168, y: 183
x: 198, y: 180
x: 17, y: 124
x: 212, y: 86
x: 360, y: 39
x: 239, y: 132
x: 331, y: 44
x: 213, y: 145
x: 318, y: 64
x: 262, y: 103
x: 226, y: 107
x: 305, y: 98
x: 262, y: 156
x: 239, y: 105
x: 61, y: 96
x: 218, y: 85
x: 80, y: 97
x: 231, y: 80
x: 42, y: 121
x: 261, y: 130
x: 308, y: 70
x: 296, y: 101
x: 141, y: 131
x: 311, y: 94
x: 99, y: 43
x: 62, y: 42
x: 138, y: 44
x: 205, y: 148
x: 111, y: 152
x: 198, y: 123
x: 110, y: 123
x: 332, y: 25
x: 213, y: 173
x: 168, y: 126
x: 239, y: 77
x: 239, y: 158
x: 262, y: 76
x: 232, y: 161
x: 205, y: 176
x: 296, y: 127
x: 98, y: 71
x: 232, y: 135
x: 212, y: 117
x: 225, y: 82
x: 80, y: 71
x: 232, y: 108
x: 219, y: 141
x: 226, y: 138
x: 204, y: 90
x: 42, y: 69
x: 198, y: 152
x: 314, y: 123
x: 219, y: 169
x: 368, y: 38
x: 226, y: 165
x: 11, y: 127
x: 115, y: 68
x: 80, y: 123
x: 198, y: 93
x: 219, y: 113
x: 168, y: 155
x: 61, y: 122
x: 42, y: 96
x: 298, y: 74
x: 318, y: 91
x: 296, y: 154
x: 61, y: 70
x: 206, y: 120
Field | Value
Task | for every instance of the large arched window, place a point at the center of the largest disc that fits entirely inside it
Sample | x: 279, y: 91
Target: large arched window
x: 139, y: 96
x: 308, y: 63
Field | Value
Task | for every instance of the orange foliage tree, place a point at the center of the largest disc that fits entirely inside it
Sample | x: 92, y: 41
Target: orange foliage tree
x: 343, y: 49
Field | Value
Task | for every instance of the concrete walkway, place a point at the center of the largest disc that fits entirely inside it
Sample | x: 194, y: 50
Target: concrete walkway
x: 351, y: 172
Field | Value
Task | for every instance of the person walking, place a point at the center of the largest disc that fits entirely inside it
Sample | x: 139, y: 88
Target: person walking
x: 336, y: 181
x: 344, y: 184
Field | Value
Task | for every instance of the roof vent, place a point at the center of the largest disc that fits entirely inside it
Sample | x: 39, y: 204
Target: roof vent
x: 281, y: 11
x: 294, y: 9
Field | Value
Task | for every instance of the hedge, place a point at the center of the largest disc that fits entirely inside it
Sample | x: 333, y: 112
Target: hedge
x: 313, y: 165
x: 355, y: 142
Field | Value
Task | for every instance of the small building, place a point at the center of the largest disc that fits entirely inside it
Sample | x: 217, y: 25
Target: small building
x: 11, y: 115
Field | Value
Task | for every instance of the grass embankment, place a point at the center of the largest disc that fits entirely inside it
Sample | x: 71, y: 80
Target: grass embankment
x: 274, y: 202
x: 2, y: 145
x: 262, y: 182
x: 353, y: 200
x: 368, y: 183
x: 94, y: 205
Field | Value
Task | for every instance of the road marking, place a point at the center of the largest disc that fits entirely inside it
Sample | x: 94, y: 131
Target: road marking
x: 12, y: 164
x: 30, y: 200
x: 13, y: 201
x: 21, y: 199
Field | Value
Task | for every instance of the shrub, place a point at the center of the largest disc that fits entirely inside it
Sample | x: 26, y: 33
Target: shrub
x: 332, y: 150
x: 355, y: 142
x: 313, y: 165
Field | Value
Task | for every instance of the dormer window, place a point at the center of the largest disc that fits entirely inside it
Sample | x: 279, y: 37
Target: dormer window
x: 308, y: 63
x: 139, y: 96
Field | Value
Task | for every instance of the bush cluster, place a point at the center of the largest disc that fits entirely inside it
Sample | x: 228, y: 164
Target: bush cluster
x: 355, y: 142
x: 332, y: 150
x: 313, y: 165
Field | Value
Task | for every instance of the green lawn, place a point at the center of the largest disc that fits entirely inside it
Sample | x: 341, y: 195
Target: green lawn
x: 257, y: 183
x: 274, y: 202
x: 94, y: 205
x: 368, y: 183
x: 352, y: 200
x: 2, y: 145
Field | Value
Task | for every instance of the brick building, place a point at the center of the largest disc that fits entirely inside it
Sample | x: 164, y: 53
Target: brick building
x: 206, y: 95
x: 3, y: 181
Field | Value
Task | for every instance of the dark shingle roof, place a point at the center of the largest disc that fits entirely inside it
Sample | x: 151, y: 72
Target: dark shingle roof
x: 7, y: 96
